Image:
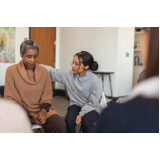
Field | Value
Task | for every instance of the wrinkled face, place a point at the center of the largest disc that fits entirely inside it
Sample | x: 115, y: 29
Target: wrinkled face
x: 78, y: 67
x: 144, y: 43
x: 30, y: 58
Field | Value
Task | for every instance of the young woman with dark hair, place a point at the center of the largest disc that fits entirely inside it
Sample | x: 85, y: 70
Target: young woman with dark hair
x: 84, y: 90
x: 140, y: 112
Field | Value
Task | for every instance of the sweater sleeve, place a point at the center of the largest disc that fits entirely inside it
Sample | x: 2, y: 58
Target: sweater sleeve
x: 94, y: 99
x: 57, y: 74
x: 11, y: 92
x: 46, y: 97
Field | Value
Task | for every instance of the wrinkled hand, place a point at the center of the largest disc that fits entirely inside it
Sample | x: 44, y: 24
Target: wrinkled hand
x: 42, y: 117
x: 35, y: 118
x: 79, y: 119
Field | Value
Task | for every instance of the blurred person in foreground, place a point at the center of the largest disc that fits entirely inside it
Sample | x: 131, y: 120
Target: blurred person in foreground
x: 10, y: 122
x: 140, y: 112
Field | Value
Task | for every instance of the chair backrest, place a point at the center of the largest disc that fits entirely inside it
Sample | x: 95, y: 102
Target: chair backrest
x: 103, y: 101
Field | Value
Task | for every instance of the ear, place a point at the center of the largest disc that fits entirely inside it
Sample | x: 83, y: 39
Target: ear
x: 21, y: 54
x: 86, y: 67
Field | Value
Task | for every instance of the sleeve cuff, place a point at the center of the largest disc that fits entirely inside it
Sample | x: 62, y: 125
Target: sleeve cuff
x: 82, y: 113
x: 45, y: 106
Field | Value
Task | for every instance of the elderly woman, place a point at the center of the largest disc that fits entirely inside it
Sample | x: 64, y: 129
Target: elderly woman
x: 28, y: 84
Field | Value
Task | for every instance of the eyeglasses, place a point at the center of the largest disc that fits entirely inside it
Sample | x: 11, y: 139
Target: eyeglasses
x: 77, y: 65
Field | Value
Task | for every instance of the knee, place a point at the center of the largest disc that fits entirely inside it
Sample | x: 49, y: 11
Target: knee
x: 87, y: 127
x: 70, y: 121
x: 57, y: 124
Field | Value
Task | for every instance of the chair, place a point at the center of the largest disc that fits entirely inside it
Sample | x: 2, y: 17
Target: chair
x: 35, y: 126
x: 103, y: 101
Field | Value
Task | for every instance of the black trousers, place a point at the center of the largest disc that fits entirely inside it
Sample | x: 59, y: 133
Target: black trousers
x: 88, y: 120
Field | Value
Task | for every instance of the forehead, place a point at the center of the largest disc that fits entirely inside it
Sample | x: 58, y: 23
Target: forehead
x: 31, y: 52
x: 75, y: 59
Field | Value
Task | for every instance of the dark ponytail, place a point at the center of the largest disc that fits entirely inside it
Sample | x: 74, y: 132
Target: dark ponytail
x: 87, y: 59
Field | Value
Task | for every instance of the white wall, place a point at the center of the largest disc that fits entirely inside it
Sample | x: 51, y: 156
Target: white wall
x: 100, y: 42
x: 108, y: 45
x: 20, y: 34
x: 124, y: 70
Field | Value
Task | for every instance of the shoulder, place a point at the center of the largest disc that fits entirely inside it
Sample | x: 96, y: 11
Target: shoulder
x: 12, y: 68
x: 95, y: 80
x: 20, y: 122
x: 44, y: 69
x: 137, y: 115
x: 137, y: 106
x: 93, y: 76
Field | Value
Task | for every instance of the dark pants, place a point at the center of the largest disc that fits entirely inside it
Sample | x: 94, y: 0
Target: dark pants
x: 55, y: 124
x: 88, y: 120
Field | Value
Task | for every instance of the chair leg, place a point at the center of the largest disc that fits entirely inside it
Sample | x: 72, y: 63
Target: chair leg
x: 39, y: 130
x: 80, y: 130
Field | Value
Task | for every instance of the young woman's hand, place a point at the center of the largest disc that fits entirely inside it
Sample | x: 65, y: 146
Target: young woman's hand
x: 79, y: 119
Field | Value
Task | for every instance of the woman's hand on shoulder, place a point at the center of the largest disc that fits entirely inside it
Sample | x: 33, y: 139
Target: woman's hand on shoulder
x: 79, y: 119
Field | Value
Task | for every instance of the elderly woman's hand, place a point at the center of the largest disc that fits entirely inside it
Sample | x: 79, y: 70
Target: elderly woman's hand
x: 39, y: 118
x: 34, y: 116
x: 42, y: 116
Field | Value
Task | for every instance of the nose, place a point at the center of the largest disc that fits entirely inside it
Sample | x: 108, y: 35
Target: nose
x: 32, y: 60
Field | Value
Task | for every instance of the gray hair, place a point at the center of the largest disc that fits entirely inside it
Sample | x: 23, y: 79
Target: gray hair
x: 28, y: 44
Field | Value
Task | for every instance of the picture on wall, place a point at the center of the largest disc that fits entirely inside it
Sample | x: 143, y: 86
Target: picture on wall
x: 7, y: 44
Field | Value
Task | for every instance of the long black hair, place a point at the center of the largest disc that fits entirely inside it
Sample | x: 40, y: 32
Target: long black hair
x: 87, y: 59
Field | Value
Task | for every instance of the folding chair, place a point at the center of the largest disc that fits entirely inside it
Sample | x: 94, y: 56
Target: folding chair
x: 35, y: 126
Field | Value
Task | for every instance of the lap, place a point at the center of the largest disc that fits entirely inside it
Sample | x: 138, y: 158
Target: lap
x: 54, y: 120
x: 55, y: 124
x: 90, y: 117
x: 72, y: 112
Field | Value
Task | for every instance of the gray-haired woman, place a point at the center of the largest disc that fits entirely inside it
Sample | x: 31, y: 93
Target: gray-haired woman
x: 28, y: 84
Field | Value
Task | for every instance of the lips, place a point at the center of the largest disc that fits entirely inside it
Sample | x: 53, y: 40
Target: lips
x: 31, y: 65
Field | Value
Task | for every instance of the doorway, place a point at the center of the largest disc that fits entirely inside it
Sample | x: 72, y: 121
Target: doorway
x: 45, y: 37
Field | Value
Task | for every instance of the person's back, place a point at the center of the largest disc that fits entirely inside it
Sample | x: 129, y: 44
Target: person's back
x: 140, y: 111
x: 139, y: 115
x: 10, y: 122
